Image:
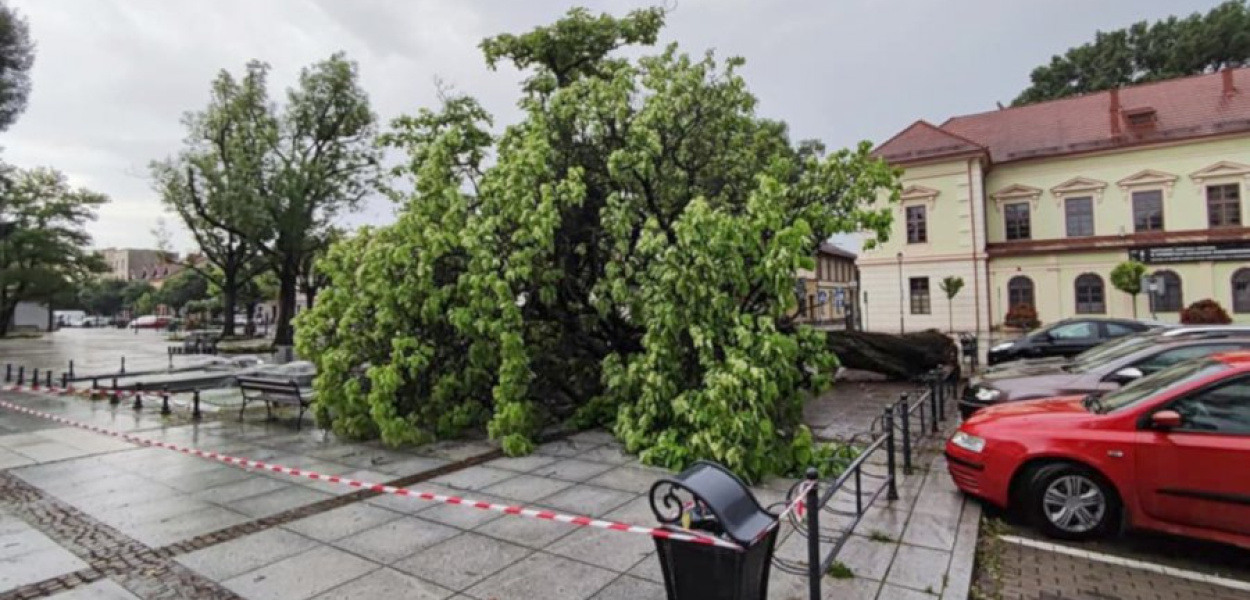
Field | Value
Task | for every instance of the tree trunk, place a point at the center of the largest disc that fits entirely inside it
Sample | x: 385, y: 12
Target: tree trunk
x: 903, y: 357
x: 288, y: 283
x: 6, y: 318
x: 1134, y: 297
x: 251, y: 319
x: 229, y: 298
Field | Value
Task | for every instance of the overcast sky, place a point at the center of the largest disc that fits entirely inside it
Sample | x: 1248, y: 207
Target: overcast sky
x: 113, y: 77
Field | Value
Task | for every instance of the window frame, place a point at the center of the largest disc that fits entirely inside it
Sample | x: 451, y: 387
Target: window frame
x: 920, y: 301
x: 1226, y: 205
x: 1023, y: 230
x: 1133, y: 197
x: 1240, y: 379
x: 1175, y: 302
x: 1102, y: 295
x: 1244, y: 274
x: 921, y: 229
x: 1032, y: 291
x: 1067, y: 215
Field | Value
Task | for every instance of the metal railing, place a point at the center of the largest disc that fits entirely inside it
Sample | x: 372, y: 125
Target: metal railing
x: 895, y: 425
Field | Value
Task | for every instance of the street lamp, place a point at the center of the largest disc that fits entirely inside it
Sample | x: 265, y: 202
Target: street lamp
x: 901, y: 329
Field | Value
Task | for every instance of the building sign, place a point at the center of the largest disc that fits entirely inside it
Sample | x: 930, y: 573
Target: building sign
x: 1220, y: 252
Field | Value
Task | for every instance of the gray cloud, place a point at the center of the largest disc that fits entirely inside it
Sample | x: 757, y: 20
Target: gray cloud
x: 113, y: 77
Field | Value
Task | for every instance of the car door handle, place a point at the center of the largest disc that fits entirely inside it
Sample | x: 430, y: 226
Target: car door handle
x: 1115, y: 453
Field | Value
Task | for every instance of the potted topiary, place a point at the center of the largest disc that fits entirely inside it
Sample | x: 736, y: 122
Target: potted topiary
x: 1022, y: 316
x: 1205, y: 312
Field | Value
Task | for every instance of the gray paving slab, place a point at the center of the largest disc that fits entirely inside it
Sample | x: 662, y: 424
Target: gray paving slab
x: 227, y: 560
x: 229, y: 493
x: 456, y: 450
x: 203, y: 480
x: 522, y: 464
x: 631, y: 588
x: 104, y: 589
x: 183, y: 526
x: 342, y: 522
x: 588, y: 500
x: 544, y: 577
x: 474, y: 478
x: 593, y: 436
x: 931, y: 531
x: 852, y: 588
x: 461, y: 516
x: 28, y: 556
x: 273, y: 503
x: 462, y: 561
x: 385, y: 584
x: 963, y: 558
x: 603, y: 548
x: 566, y: 448
x: 918, y: 568
x: 867, y: 558
x: 396, y: 539
x: 301, y: 576
x: 410, y: 466
x: 571, y: 469
x: 649, y: 568
x: 628, y: 479
x: 527, y: 489
x: 893, y: 592
x: 525, y: 531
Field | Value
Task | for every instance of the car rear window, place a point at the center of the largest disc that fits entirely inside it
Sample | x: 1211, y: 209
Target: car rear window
x: 1159, y: 383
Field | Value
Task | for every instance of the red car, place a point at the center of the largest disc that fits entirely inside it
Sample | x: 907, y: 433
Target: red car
x: 1169, y: 452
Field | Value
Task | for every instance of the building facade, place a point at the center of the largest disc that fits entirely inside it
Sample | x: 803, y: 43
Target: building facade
x: 131, y: 264
x: 1037, y: 204
x: 828, y: 294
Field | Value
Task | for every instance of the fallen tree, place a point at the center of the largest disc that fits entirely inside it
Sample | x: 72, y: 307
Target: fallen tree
x: 906, y: 356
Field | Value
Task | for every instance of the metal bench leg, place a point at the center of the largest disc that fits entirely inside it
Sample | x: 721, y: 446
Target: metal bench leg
x: 268, y: 410
x: 299, y: 424
x: 243, y: 408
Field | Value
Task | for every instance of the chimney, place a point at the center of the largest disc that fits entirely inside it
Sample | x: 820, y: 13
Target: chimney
x: 1115, y: 111
x: 1229, y: 88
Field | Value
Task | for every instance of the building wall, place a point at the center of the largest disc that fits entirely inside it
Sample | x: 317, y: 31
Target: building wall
x: 833, y: 278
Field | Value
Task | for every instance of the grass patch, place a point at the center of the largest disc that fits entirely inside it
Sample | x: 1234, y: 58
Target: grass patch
x: 989, y: 566
x: 838, y: 570
x: 877, y: 535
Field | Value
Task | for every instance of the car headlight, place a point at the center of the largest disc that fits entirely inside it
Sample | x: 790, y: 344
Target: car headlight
x: 968, y: 442
x: 1002, y: 346
x: 988, y: 394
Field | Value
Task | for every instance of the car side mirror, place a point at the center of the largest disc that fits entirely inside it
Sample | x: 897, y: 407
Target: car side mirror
x: 1166, y: 419
x: 1126, y: 375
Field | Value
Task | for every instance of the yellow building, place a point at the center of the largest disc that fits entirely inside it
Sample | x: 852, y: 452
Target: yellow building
x: 827, y: 295
x: 1037, y: 204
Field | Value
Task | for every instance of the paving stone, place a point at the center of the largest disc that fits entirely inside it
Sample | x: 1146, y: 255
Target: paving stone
x: 10, y: 459
x: 461, y: 516
x: 301, y: 576
x: 526, y: 489
x: 184, y: 525
x: 474, y: 478
x: 918, y: 568
x: 867, y: 558
x: 411, y: 466
x: 383, y: 584
x: 100, y: 590
x: 854, y: 588
x: 342, y: 522
x: 635, y: 512
x: 534, y: 533
x: 941, y: 503
x: 931, y: 531
x: 588, y: 500
x: 603, y: 548
x: 544, y: 577
x: 893, y: 592
x: 339, y: 489
x: 572, y: 470
x: 229, y: 493
x: 566, y: 448
x: 612, y: 454
x: 392, y: 541
x: 28, y: 556
x: 593, y: 436
x: 272, y: 503
x: 522, y: 464
x: 236, y: 557
x: 632, y: 588
x: 462, y: 561
x: 204, y: 480
x: 628, y: 479
x: 649, y: 568
x: 457, y: 450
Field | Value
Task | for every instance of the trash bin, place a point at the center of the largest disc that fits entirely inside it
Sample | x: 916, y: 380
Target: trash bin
x: 710, y: 499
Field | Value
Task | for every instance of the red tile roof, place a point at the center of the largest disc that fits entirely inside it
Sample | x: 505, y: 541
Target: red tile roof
x: 1189, y: 107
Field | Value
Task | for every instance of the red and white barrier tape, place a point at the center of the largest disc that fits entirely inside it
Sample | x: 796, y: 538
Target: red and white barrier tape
x: 672, y: 534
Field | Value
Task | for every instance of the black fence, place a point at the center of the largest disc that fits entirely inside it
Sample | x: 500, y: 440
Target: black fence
x: 36, y: 379
x: 913, y: 418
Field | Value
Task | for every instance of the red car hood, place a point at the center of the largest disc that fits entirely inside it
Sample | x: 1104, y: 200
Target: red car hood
x: 1049, y: 410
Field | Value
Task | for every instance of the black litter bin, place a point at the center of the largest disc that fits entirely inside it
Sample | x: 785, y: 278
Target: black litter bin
x: 710, y: 499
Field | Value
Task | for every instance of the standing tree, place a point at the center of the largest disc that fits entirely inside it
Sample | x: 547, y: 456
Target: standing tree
x: 184, y: 287
x: 626, y: 258
x: 17, y: 56
x: 1146, y: 52
x: 214, y: 186
x: 951, y: 286
x: 43, y: 246
x: 302, y: 167
x: 1127, y: 277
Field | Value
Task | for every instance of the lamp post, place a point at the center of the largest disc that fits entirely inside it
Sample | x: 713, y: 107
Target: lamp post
x: 901, y: 328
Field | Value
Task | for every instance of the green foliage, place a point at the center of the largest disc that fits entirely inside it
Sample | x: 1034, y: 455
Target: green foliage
x: 1144, y: 52
x: 17, y: 56
x: 1127, y: 277
x: 102, y: 297
x: 43, y: 238
x: 1205, y: 312
x: 1023, y: 316
x: 951, y: 286
x: 182, y: 288
x: 627, y: 259
x: 839, y: 570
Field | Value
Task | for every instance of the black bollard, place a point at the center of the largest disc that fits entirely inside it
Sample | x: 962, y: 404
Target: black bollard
x: 123, y: 371
x: 34, y: 378
x: 195, y: 411
x: 64, y: 381
x: 8, y: 372
x: 138, y: 405
x: 21, y: 375
x: 48, y: 379
x: 116, y: 398
x: 71, y: 369
x: 165, y: 402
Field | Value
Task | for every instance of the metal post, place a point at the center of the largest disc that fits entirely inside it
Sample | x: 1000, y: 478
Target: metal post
x: 165, y: 402
x: 34, y: 378
x: 123, y: 371
x: 943, y: 387
x: 71, y: 369
x: 8, y: 372
x: 138, y: 405
x: 21, y: 375
x: 933, y: 403
x: 116, y: 398
x: 171, y: 356
x: 813, y: 535
x: 889, y: 449
x: 859, y: 492
x: 47, y: 378
x: 906, y: 419
x: 65, y: 381
x: 195, y: 412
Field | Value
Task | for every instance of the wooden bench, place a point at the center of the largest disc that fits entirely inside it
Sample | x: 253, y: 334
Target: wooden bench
x: 271, y: 392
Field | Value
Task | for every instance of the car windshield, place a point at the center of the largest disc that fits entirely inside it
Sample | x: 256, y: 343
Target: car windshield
x: 1103, y: 353
x: 1157, y: 383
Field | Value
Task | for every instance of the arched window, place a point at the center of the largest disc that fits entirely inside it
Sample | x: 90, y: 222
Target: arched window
x: 1020, y: 291
x: 1090, y: 296
x: 1168, y: 298
x: 1241, y: 291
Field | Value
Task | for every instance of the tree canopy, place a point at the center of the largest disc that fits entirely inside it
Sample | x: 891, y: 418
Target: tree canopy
x: 17, y: 56
x: 1143, y: 52
x: 626, y: 257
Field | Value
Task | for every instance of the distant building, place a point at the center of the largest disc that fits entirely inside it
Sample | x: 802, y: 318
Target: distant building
x: 1035, y: 205
x: 829, y: 293
x: 131, y: 264
x: 31, y: 316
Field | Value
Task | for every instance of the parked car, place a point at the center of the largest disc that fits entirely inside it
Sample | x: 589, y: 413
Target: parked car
x: 1168, y: 452
x: 1065, y: 338
x: 150, y: 322
x: 1102, y: 371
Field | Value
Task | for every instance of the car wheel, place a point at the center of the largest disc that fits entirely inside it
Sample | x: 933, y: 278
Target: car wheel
x: 1072, y: 502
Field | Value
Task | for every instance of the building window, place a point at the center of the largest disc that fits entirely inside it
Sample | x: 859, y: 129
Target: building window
x: 1020, y: 291
x: 1089, y: 295
x: 1079, y: 213
x: 1017, y: 220
x: 1169, y: 297
x: 1148, y: 210
x: 1224, y: 205
x: 917, y: 225
x: 1241, y: 290
x: 920, y: 304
